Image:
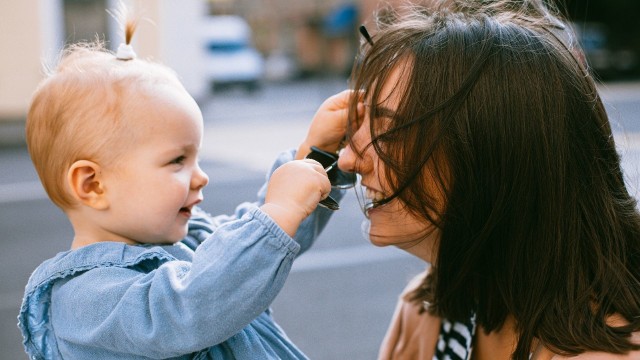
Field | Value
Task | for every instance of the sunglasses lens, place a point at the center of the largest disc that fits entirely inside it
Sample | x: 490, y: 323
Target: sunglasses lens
x: 338, y: 178
x: 343, y: 180
x: 325, y: 158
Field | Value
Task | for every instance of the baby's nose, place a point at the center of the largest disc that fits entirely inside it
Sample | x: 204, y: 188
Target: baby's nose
x: 200, y: 179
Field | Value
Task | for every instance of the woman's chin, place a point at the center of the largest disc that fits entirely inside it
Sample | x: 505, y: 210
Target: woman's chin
x: 379, y: 241
x: 365, y: 227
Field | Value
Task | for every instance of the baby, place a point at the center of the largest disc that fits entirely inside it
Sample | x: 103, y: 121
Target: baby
x: 115, y: 142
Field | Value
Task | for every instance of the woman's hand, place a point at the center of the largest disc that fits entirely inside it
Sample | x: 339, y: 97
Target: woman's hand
x: 329, y: 125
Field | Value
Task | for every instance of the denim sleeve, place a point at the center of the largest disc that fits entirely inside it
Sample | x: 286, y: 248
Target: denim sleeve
x: 202, y: 224
x: 179, y: 307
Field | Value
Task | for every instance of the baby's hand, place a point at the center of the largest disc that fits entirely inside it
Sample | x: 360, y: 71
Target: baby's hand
x: 329, y: 125
x: 294, y: 191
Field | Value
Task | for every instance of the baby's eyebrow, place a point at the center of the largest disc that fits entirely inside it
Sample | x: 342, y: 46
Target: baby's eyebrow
x: 180, y: 149
x: 187, y: 147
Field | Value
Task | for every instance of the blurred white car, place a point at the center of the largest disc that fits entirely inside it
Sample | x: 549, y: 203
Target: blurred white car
x: 230, y: 57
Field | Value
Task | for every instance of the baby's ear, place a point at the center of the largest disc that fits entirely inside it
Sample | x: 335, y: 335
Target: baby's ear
x: 87, y: 185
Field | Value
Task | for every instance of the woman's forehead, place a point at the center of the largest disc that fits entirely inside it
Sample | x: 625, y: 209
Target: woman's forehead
x: 392, y: 88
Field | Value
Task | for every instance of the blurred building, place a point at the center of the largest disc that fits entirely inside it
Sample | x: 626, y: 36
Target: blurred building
x: 319, y: 36
x: 32, y: 33
x: 298, y: 38
x: 609, y: 34
x: 316, y: 36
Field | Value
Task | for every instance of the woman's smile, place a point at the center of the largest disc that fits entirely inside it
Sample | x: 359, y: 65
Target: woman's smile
x: 372, y: 195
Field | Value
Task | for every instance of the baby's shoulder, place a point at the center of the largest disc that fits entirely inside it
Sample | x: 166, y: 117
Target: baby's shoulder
x: 100, y: 257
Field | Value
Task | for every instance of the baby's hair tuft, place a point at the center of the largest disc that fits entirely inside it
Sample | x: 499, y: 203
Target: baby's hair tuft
x: 128, y: 24
x: 129, y: 29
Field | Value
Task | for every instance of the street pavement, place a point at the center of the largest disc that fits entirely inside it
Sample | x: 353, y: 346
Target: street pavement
x: 340, y: 295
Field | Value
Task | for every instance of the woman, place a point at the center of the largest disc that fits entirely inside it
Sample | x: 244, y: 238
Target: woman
x: 485, y: 150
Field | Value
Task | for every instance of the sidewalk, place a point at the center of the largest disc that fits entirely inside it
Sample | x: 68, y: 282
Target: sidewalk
x: 250, y: 130
x: 620, y: 91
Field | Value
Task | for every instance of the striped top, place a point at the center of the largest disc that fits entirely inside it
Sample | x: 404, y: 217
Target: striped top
x: 455, y: 340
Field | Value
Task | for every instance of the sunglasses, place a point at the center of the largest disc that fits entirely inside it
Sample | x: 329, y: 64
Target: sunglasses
x: 338, y: 178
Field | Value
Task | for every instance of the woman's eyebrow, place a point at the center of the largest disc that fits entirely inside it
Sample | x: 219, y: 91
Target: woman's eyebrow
x: 385, y: 112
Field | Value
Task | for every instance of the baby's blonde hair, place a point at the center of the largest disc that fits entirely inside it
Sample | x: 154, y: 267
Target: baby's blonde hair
x: 78, y: 112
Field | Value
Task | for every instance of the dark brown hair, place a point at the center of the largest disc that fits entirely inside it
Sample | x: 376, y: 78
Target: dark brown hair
x: 537, y: 222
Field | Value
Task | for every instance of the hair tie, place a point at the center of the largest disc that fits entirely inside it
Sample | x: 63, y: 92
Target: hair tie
x: 125, y: 52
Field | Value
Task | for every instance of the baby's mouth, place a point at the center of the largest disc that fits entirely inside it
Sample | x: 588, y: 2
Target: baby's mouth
x: 185, y: 211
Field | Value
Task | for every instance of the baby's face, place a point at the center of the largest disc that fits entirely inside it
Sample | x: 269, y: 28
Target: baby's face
x: 155, y: 184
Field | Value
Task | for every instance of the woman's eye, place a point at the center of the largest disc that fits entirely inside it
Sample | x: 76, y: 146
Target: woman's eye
x: 179, y: 160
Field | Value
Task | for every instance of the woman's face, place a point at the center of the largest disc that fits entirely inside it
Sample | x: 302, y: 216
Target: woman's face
x: 389, y: 224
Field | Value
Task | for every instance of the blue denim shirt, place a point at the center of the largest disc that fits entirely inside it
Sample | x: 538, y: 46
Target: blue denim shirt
x: 206, y: 297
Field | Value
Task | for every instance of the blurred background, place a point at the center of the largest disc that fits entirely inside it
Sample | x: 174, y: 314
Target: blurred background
x: 259, y: 69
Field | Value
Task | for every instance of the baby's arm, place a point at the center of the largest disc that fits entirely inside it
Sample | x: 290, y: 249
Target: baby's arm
x: 286, y: 175
x: 180, y: 306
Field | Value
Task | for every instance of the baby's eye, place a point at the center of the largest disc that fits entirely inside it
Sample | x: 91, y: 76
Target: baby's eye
x: 179, y: 160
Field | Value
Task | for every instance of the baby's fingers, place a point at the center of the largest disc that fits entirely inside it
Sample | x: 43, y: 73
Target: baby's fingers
x: 315, y: 165
x: 324, y: 180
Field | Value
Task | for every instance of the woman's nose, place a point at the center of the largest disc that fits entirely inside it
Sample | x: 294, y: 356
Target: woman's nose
x: 351, y: 158
x: 200, y: 179
x: 346, y: 160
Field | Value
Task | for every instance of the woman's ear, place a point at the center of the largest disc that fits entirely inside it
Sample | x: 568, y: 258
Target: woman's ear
x: 87, y: 186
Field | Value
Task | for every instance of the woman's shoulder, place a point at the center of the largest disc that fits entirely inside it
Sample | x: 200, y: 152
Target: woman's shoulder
x: 412, y: 333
